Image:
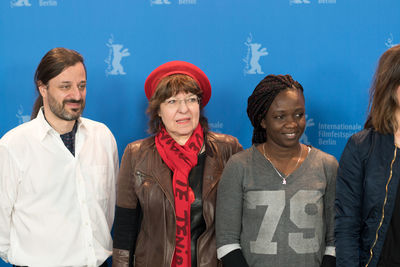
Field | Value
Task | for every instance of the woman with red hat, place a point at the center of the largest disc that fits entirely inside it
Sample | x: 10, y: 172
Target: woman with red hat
x: 167, y: 185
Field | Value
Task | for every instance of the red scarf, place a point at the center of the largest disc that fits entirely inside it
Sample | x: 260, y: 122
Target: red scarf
x: 181, y: 159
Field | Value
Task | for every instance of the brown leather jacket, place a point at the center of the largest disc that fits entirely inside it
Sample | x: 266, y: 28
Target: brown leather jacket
x: 146, y: 179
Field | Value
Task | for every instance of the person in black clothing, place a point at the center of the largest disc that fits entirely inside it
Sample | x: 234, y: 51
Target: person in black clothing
x: 367, y: 200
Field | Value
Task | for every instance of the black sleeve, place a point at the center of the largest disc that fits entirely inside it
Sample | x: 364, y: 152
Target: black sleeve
x: 126, y: 228
x: 234, y: 259
x: 328, y: 261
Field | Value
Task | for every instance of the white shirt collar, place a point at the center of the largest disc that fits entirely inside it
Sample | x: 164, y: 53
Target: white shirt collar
x: 45, y: 128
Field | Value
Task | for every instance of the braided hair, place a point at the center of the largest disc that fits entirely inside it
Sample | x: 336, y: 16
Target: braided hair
x: 261, y: 99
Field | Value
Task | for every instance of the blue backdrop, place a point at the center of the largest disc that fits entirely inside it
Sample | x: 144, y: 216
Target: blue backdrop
x: 330, y: 46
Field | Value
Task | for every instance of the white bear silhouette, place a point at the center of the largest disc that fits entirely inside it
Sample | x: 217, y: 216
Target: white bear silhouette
x: 117, y: 57
x: 256, y: 53
x: 22, y: 118
x: 304, y: 137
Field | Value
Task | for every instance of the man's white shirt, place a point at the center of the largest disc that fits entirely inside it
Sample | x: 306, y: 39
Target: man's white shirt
x: 57, y: 209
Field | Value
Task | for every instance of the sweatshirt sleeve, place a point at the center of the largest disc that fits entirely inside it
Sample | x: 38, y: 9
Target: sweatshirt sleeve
x: 229, y: 208
x: 331, y: 166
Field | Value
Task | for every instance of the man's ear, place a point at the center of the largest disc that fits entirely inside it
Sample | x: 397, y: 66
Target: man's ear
x: 42, y: 88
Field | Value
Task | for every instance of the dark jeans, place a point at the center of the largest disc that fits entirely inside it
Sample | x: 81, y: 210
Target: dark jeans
x: 103, y: 265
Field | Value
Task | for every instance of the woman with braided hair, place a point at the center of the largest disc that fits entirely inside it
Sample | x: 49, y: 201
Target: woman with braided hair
x: 275, y: 201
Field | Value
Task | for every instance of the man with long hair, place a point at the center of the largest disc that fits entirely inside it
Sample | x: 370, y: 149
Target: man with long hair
x: 57, y: 175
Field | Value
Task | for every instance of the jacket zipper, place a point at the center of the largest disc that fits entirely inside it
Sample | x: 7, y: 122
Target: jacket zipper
x: 141, y: 177
x: 371, y: 253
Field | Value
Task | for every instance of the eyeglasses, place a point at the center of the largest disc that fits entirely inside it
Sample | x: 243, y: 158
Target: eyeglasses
x: 175, y: 103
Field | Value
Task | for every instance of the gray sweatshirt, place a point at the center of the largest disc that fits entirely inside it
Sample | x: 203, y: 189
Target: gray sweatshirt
x: 277, y: 224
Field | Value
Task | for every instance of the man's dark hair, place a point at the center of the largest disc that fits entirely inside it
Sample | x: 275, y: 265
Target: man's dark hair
x: 51, y: 65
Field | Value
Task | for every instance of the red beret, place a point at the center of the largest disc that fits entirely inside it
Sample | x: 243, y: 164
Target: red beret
x: 181, y: 67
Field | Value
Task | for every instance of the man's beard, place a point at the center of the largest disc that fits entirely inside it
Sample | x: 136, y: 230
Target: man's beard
x: 59, y: 110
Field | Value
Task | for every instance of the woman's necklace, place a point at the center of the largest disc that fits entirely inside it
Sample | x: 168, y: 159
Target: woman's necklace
x: 276, y: 170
